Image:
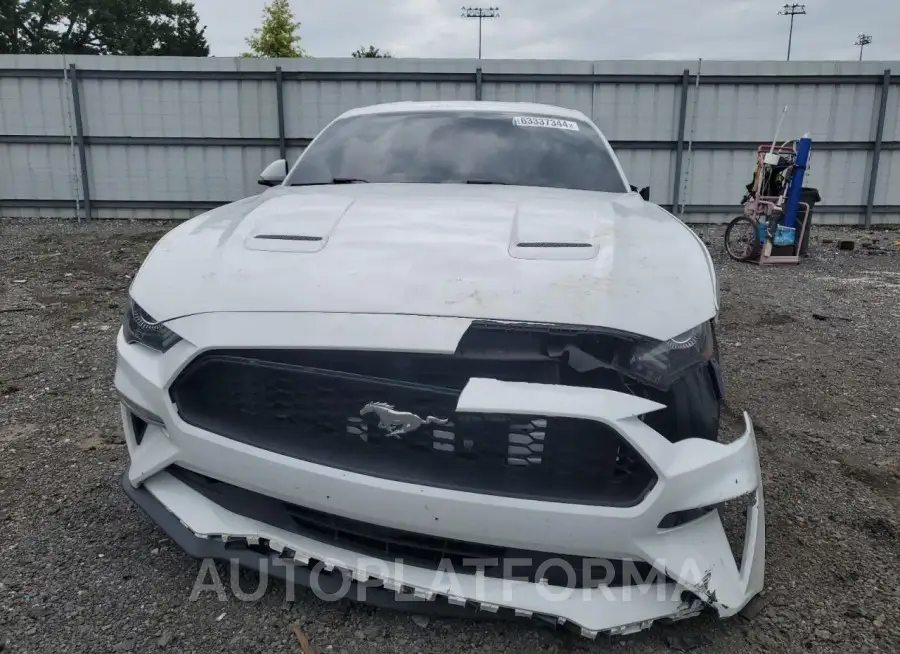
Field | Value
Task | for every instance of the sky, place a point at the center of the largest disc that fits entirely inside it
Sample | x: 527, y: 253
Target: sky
x: 573, y: 29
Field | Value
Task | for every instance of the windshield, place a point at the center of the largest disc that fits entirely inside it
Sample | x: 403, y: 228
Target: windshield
x: 460, y: 147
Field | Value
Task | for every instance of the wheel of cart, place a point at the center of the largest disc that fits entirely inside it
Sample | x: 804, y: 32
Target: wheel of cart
x: 742, y: 239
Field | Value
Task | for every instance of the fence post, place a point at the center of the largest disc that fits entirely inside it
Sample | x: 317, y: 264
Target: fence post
x: 478, y: 82
x: 79, y: 137
x: 679, y: 144
x: 876, y: 152
x: 279, y: 91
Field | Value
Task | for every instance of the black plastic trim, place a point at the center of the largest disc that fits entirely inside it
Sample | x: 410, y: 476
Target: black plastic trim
x: 408, y: 548
x: 288, y: 237
x: 138, y: 426
x: 553, y: 245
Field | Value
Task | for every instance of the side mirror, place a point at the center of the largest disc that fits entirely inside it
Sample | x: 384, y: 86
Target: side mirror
x: 645, y: 193
x: 274, y: 174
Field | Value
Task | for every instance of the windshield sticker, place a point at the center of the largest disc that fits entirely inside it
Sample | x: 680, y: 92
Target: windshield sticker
x: 539, y: 121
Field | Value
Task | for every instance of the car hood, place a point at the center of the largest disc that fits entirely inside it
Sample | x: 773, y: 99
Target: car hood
x: 482, y: 252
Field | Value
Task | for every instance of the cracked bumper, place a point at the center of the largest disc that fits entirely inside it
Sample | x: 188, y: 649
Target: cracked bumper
x: 695, y: 558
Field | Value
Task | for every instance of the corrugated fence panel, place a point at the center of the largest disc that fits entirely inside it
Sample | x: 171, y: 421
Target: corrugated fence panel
x: 210, y: 125
x: 36, y: 172
x: 311, y: 105
x: 843, y: 112
x: 33, y: 106
x: 66, y: 213
x: 637, y: 112
x: 653, y: 168
x: 717, y: 177
x: 841, y: 177
x: 889, y: 179
x: 720, y: 177
x: 180, y: 108
x: 176, y: 173
x: 892, y: 117
x: 566, y: 94
x: 572, y: 96
x: 146, y: 214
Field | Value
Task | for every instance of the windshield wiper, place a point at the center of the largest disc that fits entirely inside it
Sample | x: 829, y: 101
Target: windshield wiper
x: 486, y: 182
x: 336, y: 180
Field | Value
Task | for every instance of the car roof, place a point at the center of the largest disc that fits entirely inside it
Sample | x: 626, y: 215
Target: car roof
x: 458, y: 105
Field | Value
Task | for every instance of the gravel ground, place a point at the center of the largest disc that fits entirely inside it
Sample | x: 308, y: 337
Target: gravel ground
x: 812, y: 353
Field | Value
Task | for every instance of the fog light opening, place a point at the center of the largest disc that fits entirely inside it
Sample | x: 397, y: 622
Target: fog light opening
x: 678, y: 518
x: 140, y: 418
x: 138, y: 426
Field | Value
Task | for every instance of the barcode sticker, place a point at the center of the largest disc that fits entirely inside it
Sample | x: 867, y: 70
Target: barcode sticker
x: 540, y: 121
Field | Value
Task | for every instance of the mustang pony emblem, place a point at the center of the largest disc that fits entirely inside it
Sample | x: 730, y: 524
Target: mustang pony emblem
x: 396, y: 423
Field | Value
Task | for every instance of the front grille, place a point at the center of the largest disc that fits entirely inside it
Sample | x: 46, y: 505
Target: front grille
x: 392, y: 415
x: 414, y: 549
x: 329, y: 407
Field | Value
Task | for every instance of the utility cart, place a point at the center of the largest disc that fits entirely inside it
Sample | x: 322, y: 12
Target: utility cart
x: 774, y: 227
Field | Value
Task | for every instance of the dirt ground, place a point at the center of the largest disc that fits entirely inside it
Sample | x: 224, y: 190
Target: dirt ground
x: 813, y: 353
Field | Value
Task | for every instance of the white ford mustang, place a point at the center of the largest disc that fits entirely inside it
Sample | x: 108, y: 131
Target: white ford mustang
x: 450, y: 361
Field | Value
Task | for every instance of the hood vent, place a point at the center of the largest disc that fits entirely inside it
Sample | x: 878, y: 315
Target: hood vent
x: 558, y: 229
x: 273, y: 242
x: 294, y: 222
x: 545, y: 244
x: 554, y: 250
x: 287, y: 237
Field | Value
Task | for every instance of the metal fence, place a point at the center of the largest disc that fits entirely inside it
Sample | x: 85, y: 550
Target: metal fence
x: 145, y: 137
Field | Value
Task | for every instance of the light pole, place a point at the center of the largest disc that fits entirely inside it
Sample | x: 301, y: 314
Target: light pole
x: 862, y: 41
x: 792, y: 10
x: 480, y: 13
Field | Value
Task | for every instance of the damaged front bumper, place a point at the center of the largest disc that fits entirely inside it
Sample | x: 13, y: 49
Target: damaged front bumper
x: 695, y: 563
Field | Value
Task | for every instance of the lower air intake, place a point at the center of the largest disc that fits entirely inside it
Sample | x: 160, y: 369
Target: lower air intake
x: 414, y: 549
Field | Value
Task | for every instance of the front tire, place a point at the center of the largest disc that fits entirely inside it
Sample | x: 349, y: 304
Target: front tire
x: 741, y: 240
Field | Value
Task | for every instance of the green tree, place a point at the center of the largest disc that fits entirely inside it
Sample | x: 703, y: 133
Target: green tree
x: 189, y: 36
x: 115, y: 27
x: 370, y: 53
x: 278, y: 35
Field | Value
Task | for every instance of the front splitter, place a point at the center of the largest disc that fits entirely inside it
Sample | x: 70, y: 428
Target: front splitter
x: 324, y: 583
x: 332, y: 577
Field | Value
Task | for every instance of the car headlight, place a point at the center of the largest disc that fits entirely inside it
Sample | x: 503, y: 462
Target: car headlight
x: 139, y: 327
x: 659, y: 363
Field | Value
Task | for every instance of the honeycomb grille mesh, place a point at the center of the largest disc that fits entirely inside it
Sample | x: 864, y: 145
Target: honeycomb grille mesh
x: 393, y: 427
